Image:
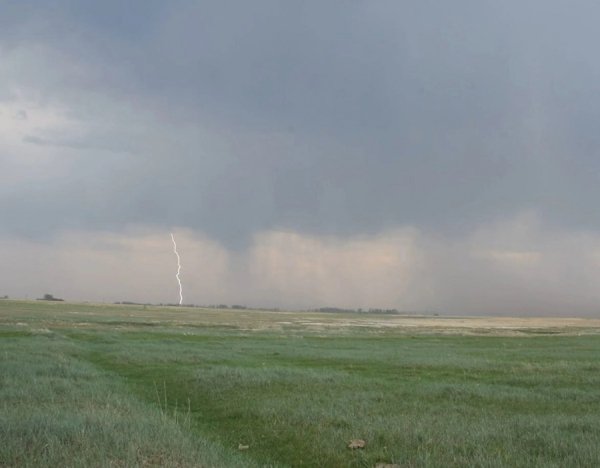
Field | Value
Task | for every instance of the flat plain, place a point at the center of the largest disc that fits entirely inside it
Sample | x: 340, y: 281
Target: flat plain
x: 114, y: 385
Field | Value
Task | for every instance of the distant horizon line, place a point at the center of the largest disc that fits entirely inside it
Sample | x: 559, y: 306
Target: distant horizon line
x: 333, y: 310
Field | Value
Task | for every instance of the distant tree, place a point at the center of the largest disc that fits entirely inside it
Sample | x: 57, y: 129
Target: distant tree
x: 50, y: 297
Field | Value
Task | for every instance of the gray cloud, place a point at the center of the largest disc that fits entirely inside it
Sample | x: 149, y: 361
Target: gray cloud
x: 383, y: 114
x: 321, y: 118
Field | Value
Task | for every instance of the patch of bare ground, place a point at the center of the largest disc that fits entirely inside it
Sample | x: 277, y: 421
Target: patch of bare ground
x: 468, y: 325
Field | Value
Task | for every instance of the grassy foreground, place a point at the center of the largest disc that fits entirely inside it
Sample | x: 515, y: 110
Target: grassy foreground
x: 89, y: 385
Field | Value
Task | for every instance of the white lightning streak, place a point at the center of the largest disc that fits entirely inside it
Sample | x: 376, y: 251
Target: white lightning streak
x: 178, y: 269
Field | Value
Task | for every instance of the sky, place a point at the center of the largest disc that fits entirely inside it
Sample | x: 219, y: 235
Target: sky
x: 420, y: 155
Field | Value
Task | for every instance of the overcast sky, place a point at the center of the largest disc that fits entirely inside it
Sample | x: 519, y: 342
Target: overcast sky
x: 421, y: 155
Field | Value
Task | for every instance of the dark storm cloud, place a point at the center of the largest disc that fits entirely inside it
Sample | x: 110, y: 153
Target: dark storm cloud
x: 327, y: 117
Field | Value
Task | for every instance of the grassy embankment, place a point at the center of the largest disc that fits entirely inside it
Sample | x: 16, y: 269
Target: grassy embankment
x: 84, y: 385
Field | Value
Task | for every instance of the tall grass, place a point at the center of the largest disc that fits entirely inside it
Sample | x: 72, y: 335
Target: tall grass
x: 422, y: 401
x: 79, y: 392
x: 60, y: 411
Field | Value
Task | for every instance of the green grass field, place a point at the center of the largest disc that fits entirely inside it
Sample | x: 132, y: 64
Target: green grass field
x: 100, y: 385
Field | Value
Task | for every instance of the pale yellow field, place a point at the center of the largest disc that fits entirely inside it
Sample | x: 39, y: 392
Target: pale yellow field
x: 62, y: 314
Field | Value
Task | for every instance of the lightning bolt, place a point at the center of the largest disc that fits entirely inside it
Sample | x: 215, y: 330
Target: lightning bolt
x: 178, y: 269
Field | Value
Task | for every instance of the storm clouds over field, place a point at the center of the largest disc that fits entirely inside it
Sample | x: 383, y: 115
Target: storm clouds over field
x: 422, y: 155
